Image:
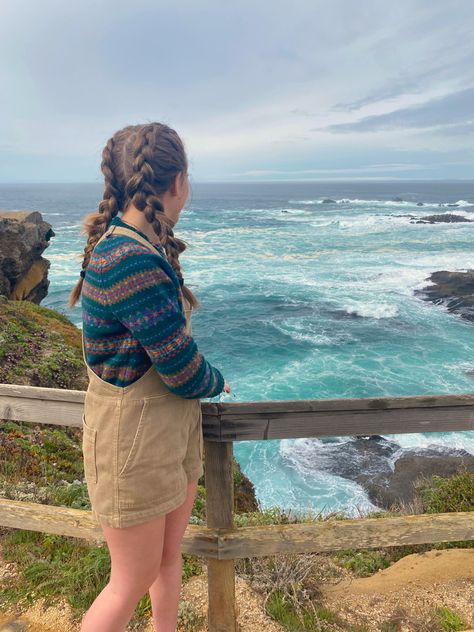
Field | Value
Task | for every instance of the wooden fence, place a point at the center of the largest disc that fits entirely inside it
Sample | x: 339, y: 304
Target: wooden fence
x: 223, y: 423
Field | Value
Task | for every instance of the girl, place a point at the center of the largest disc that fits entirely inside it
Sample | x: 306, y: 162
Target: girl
x: 142, y: 425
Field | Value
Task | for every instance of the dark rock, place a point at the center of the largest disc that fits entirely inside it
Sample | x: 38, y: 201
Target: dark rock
x: 24, y: 235
x: 245, y: 498
x: 329, y: 201
x: 454, y: 290
x: 449, y: 218
x: 368, y: 461
x: 419, y: 204
x: 397, y: 199
x: 408, y: 469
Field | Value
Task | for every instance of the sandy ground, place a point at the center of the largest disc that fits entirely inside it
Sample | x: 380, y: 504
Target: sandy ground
x: 251, y: 616
x: 407, y: 592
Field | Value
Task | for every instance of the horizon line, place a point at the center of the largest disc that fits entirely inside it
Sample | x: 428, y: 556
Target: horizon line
x: 284, y: 181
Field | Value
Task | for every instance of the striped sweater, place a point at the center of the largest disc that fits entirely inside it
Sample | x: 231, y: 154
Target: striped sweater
x: 132, y: 317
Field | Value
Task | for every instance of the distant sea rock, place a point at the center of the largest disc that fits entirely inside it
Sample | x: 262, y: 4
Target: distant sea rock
x: 454, y: 290
x: 329, y: 201
x: 397, y: 199
x: 449, y: 218
x: 24, y: 235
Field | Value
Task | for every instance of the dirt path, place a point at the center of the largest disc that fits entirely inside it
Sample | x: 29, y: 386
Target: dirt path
x: 409, y: 591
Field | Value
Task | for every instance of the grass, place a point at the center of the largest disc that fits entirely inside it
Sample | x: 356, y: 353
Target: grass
x: 297, y: 618
x: 450, y: 620
x: 39, y: 346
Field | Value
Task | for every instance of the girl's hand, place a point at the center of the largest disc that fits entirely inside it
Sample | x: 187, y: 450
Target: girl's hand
x: 226, y: 387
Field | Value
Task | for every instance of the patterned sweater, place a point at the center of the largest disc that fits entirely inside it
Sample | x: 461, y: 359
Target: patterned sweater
x: 132, y: 317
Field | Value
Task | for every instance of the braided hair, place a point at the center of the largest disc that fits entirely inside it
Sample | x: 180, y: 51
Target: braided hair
x: 139, y: 163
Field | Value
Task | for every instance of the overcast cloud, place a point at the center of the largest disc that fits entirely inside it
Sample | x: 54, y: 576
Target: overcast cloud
x: 257, y: 90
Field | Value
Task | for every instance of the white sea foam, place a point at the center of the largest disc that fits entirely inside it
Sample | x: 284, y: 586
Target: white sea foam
x: 459, y: 440
x: 65, y: 256
x: 371, y: 310
x: 311, y: 459
x: 304, y: 330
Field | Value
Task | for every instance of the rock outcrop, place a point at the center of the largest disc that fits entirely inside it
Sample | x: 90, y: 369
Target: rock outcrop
x: 401, y: 486
x: 454, y: 290
x: 24, y: 236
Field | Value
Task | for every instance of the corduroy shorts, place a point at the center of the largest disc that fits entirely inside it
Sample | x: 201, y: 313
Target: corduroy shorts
x: 142, y: 445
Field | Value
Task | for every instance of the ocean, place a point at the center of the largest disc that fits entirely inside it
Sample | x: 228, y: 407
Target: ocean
x: 307, y: 293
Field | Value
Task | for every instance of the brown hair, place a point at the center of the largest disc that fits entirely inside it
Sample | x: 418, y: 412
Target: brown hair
x: 139, y: 163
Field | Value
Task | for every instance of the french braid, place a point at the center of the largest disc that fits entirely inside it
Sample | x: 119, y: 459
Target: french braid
x: 140, y: 189
x: 139, y: 162
x: 95, y: 224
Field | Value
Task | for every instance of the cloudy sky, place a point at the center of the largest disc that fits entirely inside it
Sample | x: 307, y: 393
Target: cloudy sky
x: 261, y: 90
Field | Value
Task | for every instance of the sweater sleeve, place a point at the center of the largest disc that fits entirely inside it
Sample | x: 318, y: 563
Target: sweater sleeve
x: 145, y: 300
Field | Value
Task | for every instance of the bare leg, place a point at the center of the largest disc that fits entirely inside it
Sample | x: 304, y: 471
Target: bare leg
x: 165, y: 590
x: 135, y: 554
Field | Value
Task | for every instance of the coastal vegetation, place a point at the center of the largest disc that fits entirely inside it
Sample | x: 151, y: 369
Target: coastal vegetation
x: 43, y: 464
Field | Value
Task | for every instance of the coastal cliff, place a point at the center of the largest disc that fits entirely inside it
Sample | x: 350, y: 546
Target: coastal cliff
x: 24, y: 236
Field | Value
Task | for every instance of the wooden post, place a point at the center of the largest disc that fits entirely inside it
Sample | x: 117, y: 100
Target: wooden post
x: 221, y: 616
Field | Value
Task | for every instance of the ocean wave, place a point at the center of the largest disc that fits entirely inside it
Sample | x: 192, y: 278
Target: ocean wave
x: 460, y: 440
x: 372, y: 310
x: 302, y: 330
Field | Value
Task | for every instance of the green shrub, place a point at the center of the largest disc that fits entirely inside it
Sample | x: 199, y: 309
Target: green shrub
x: 363, y: 562
x: 450, y: 620
x: 440, y: 495
x: 298, y: 618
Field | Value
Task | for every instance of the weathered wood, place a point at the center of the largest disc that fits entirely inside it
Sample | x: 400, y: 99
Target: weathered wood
x: 345, y: 404
x: 34, y: 404
x: 78, y: 523
x: 64, y: 407
x: 226, y: 544
x: 280, y: 419
x: 333, y: 535
x: 291, y: 424
x: 219, y: 481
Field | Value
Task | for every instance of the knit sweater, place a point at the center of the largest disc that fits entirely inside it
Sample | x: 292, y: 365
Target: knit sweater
x: 132, y: 314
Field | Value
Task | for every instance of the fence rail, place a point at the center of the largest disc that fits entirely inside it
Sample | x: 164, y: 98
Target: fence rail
x: 223, y: 423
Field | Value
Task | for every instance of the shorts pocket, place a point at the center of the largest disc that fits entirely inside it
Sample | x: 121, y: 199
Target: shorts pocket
x: 130, y: 439
x: 89, y: 445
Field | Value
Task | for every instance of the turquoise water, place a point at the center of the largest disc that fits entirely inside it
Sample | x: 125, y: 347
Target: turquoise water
x: 304, y: 299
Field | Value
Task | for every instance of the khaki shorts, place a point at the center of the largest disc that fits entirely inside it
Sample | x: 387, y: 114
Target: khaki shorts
x: 142, y: 445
